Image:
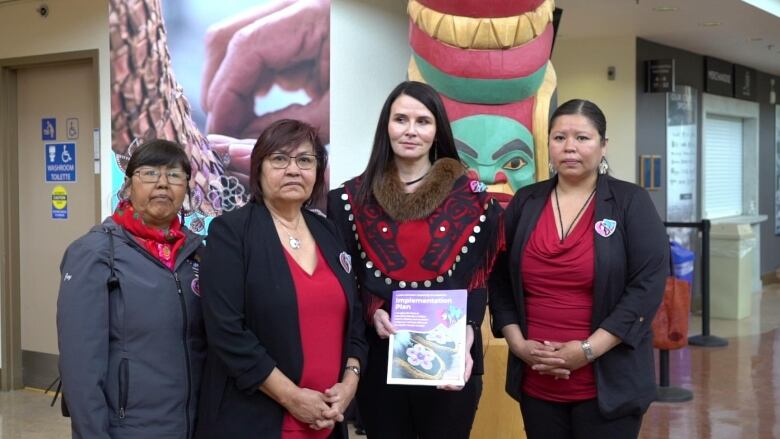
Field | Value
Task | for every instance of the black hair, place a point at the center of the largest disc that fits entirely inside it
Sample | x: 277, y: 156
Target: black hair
x: 382, y: 151
x: 283, y: 136
x: 584, y: 108
x: 159, y: 152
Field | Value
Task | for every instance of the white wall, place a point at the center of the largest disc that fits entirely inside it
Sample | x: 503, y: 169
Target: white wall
x: 582, y: 73
x: 72, y: 25
x: 369, y: 55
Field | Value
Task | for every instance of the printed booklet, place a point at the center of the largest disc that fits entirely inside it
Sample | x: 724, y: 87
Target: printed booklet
x: 429, y: 346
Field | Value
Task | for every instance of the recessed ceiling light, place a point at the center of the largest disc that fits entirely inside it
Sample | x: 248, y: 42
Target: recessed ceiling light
x: 710, y: 24
x: 664, y: 9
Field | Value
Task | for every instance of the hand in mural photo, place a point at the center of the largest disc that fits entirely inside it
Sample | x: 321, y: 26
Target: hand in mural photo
x: 235, y: 155
x: 286, y: 43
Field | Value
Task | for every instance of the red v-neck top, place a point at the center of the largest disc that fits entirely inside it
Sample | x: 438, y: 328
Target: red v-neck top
x: 322, y: 314
x: 558, y: 285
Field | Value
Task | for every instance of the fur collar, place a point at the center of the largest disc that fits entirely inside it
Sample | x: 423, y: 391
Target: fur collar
x: 401, y: 206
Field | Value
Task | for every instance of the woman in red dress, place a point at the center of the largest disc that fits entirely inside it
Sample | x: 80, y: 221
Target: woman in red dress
x: 577, y: 288
x: 282, y: 315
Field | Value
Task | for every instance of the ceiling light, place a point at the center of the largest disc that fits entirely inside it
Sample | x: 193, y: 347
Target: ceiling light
x: 664, y: 9
x: 710, y: 24
x: 756, y: 39
x: 770, y: 6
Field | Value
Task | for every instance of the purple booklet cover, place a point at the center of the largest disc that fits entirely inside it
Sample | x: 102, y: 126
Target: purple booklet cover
x: 429, y: 346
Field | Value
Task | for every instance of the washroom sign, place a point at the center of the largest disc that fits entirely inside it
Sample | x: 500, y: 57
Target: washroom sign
x: 60, y: 159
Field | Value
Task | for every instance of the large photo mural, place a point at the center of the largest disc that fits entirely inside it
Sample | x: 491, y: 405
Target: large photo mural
x: 212, y: 76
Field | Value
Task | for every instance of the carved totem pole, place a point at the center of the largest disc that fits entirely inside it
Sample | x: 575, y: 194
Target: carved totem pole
x: 490, y: 62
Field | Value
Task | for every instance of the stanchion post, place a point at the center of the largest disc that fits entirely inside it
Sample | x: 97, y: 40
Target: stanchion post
x: 705, y: 339
x: 665, y: 392
x: 663, y: 368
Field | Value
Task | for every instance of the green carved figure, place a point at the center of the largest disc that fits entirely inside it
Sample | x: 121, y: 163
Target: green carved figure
x: 499, y: 151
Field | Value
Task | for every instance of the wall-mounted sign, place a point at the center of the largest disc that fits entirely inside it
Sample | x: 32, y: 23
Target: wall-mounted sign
x: 59, y: 203
x: 72, y: 125
x: 60, y: 162
x: 49, y: 128
x: 650, y: 172
x: 744, y: 83
x: 718, y: 77
x: 777, y: 170
x: 660, y: 76
x: 681, y: 160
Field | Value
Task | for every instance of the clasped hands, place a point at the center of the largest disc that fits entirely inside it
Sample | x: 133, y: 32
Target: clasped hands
x: 551, y: 358
x: 321, y: 409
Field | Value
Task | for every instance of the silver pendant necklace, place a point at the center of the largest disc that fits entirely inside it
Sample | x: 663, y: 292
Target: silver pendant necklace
x: 295, y: 243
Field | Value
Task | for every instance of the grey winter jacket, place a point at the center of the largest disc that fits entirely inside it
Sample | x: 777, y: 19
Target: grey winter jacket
x: 130, y: 359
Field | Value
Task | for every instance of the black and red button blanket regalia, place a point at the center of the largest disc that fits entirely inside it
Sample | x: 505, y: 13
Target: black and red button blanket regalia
x: 445, y: 235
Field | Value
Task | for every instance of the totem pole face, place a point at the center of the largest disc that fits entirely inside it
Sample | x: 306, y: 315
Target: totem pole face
x: 490, y: 62
x: 498, y: 151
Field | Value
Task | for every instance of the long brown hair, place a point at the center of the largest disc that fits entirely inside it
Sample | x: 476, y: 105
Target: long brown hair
x: 382, y: 151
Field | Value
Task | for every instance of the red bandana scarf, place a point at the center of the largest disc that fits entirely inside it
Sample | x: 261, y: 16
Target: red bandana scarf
x: 163, y: 244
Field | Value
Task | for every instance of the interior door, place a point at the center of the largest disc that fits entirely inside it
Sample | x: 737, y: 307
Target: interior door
x: 58, y: 190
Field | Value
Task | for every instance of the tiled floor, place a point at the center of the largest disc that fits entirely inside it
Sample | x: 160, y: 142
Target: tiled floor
x: 736, y: 389
x: 25, y: 414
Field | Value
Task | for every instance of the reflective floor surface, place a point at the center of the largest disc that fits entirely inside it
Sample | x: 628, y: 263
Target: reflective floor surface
x: 736, y: 389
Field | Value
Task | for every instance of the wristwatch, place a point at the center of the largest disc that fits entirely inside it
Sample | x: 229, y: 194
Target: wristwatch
x: 354, y: 369
x: 588, y: 350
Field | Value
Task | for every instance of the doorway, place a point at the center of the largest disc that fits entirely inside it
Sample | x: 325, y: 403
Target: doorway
x: 52, y: 197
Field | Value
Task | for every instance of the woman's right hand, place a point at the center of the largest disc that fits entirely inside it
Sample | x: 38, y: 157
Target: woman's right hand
x: 382, y: 324
x: 309, y: 406
x: 528, y: 351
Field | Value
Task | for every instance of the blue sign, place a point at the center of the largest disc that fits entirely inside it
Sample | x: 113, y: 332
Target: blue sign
x: 59, y: 213
x: 60, y: 161
x: 49, y: 129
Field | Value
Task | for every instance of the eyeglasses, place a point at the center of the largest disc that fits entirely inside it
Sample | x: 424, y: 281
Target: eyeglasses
x: 282, y: 161
x: 175, y: 177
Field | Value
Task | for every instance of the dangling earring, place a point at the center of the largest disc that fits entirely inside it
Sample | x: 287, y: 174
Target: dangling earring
x: 187, y: 207
x: 121, y: 194
x: 603, y: 166
x: 551, y: 168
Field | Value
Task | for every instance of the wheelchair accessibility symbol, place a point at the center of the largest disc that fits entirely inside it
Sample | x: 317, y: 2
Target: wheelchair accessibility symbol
x: 73, y: 128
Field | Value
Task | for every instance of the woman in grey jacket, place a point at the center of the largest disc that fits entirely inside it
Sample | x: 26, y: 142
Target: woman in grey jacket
x: 129, y: 323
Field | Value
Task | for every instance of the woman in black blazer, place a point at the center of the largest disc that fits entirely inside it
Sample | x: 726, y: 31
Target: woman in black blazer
x: 282, y: 315
x: 577, y: 288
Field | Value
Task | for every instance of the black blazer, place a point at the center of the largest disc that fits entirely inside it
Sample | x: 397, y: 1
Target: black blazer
x: 630, y: 269
x: 251, y: 318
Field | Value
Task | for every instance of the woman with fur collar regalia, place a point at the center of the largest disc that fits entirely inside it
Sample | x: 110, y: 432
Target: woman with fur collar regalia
x: 414, y: 220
